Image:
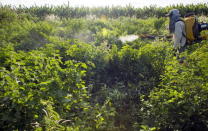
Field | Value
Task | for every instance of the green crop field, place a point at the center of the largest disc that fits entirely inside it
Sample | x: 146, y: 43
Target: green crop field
x: 99, y: 69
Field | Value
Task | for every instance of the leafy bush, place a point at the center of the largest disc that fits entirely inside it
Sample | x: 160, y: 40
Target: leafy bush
x: 37, y: 91
x: 180, y: 101
x: 73, y: 73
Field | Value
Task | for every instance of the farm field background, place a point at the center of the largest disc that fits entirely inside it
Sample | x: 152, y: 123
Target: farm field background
x: 99, y: 69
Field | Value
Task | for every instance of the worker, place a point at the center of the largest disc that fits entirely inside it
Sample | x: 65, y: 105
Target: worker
x: 177, y: 28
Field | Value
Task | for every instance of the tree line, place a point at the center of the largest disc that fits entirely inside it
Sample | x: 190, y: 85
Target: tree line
x: 66, y: 11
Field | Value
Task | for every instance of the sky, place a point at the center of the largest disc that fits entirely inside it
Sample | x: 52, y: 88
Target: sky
x: 98, y: 3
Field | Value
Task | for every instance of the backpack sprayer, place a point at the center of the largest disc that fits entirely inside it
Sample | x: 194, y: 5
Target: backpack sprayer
x: 203, y: 31
x: 194, y: 30
x: 204, y: 26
